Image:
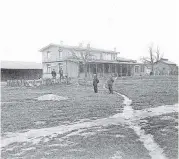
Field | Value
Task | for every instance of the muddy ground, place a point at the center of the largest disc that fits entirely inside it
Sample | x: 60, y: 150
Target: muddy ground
x: 90, y: 125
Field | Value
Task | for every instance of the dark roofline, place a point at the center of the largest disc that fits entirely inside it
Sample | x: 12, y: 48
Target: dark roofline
x: 77, y: 48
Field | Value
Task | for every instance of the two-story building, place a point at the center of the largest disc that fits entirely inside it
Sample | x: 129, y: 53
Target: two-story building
x: 101, y: 62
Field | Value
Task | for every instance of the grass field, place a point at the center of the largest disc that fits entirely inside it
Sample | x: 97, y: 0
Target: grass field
x: 21, y: 110
x: 83, y: 126
x: 150, y: 92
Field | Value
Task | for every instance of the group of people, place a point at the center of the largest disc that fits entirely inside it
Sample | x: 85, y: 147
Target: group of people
x: 95, y: 81
x: 54, y: 74
x: 109, y: 83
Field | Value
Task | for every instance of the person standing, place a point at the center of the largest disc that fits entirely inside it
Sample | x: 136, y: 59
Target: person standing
x: 95, y: 83
x: 61, y: 73
x: 54, y: 74
x: 110, y: 84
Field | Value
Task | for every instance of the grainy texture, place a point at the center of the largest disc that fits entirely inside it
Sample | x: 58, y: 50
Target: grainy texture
x: 89, y: 125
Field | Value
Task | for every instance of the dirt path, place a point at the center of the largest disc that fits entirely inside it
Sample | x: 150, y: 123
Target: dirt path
x: 85, y: 127
x: 154, y: 149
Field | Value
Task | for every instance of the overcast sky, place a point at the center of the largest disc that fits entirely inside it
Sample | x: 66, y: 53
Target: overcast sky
x: 129, y: 25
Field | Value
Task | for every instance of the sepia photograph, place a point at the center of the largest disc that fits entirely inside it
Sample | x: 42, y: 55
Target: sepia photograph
x: 89, y: 79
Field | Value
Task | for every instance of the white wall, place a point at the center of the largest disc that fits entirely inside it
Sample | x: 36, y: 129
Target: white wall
x: 55, y: 55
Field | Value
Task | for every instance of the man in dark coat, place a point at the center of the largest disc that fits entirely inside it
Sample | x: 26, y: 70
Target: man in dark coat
x: 61, y: 73
x: 110, y: 85
x: 53, y: 74
x: 95, y: 83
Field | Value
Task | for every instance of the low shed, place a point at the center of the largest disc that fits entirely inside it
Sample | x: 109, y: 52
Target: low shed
x: 11, y: 70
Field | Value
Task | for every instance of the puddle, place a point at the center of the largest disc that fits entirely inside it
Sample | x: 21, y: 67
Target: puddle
x: 160, y: 110
x: 126, y: 118
x: 128, y: 113
x: 36, y: 135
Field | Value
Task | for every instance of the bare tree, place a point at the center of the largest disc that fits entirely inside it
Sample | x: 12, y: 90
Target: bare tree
x: 154, y: 57
x: 85, y: 55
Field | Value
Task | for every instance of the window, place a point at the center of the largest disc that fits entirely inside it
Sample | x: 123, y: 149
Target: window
x: 136, y: 69
x: 107, y: 56
x: 81, y: 67
x: 60, y: 65
x: 60, y: 52
x: 113, y: 57
x: 60, y: 55
x: 48, y: 54
x: 141, y: 68
x: 48, y: 68
x: 101, y: 56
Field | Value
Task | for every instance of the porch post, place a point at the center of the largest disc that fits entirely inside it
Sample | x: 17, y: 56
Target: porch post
x: 109, y: 68
x: 115, y: 66
x: 89, y: 70
x: 127, y: 70
x: 117, y: 70
x: 121, y: 70
x: 103, y: 69
x: 96, y: 69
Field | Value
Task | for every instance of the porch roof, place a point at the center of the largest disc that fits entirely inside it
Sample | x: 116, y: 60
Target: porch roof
x: 103, y: 61
x: 122, y: 59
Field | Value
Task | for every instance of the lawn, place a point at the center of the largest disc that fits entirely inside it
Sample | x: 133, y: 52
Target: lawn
x: 164, y: 128
x: 149, y: 92
x: 81, y: 127
x: 22, y: 112
x: 20, y: 109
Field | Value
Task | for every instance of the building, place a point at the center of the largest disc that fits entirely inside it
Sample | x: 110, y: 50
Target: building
x: 165, y: 67
x: 11, y: 70
x: 101, y: 62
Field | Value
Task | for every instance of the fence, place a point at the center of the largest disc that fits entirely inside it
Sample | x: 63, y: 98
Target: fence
x: 34, y: 83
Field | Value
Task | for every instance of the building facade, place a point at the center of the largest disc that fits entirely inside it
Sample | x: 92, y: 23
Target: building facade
x: 165, y: 67
x: 101, y: 62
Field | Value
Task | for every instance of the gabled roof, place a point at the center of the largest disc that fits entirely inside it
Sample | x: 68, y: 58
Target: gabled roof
x: 20, y: 65
x: 169, y: 62
x: 165, y: 61
x: 77, y: 48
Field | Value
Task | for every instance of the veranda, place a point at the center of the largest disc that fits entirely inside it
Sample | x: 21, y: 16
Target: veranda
x: 107, y: 68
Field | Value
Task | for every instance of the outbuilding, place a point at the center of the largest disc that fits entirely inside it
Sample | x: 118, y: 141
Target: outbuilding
x: 165, y: 67
x: 11, y: 70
